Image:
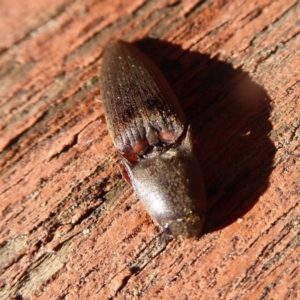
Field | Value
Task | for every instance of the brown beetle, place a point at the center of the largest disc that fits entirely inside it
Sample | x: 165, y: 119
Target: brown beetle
x: 149, y: 129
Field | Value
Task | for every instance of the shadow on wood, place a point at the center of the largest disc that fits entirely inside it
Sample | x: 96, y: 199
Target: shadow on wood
x: 229, y: 114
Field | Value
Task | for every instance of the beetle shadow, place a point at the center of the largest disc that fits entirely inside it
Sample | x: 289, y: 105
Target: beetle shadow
x: 229, y: 114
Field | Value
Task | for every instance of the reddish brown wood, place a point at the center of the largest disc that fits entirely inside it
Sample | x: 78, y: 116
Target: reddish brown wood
x: 70, y: 226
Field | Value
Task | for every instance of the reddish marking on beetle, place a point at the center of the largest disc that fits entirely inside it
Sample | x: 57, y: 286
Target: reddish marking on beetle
x: 166, y: 136
x: 130, y: 157
x: 124, y: 172
x: 139, y: 147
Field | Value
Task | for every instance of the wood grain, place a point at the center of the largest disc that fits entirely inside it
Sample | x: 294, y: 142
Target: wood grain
x: 71, y: 228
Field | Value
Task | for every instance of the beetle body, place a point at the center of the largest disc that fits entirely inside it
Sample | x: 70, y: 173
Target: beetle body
x: 149, y: 129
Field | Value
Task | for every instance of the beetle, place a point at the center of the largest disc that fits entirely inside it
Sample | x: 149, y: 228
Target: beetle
x: 155, y: 143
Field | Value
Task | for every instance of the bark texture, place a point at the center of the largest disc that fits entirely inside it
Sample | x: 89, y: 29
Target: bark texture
x: 71, y: 228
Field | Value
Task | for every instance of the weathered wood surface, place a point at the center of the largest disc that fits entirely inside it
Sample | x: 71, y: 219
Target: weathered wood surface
x: 70, y: 226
